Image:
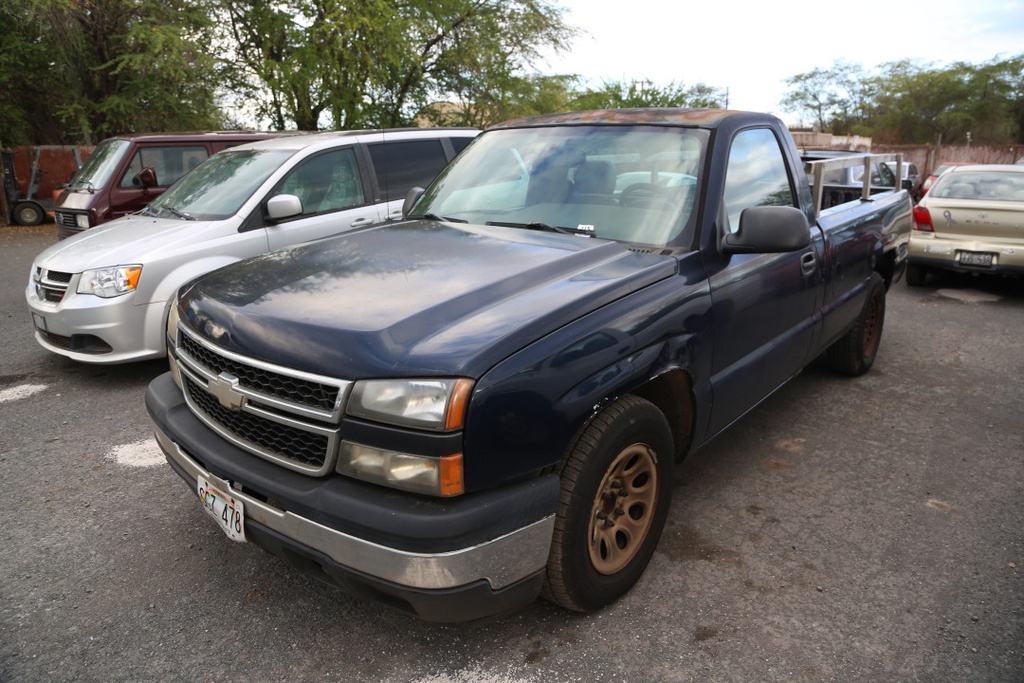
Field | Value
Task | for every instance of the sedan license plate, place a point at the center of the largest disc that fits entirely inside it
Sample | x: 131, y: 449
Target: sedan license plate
x: 223, y: 507
x: 971, y: 258
x: 39, y: 321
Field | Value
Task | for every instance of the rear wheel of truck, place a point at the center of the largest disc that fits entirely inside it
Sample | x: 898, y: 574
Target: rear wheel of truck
x: 27, y: 213
x: 854, y: 352
x: 616, y: 490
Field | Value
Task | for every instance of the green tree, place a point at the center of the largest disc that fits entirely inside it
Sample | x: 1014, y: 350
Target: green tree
x: 297, y: 60
x: 328, y: 63
x: 826, y: 96
x: 644, y: 93
x: 24, y: 98
x: 83, y: 70
x: 132, y: 65
x: 906, y: 102
x: 485, y: 104
x: 915, y: 104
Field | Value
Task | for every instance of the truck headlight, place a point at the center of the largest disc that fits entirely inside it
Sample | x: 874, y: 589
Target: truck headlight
x: 110, y: 282
x: 172, y: 335
x: 418, y: 473
x: 436, y: 404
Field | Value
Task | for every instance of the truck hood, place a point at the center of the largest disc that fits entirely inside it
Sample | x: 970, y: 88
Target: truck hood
x: 412, y: 299
x: 132, y: 239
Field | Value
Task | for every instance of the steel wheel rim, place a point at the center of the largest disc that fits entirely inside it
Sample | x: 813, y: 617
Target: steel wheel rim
x: 623, y: 509
x: 872, y: 331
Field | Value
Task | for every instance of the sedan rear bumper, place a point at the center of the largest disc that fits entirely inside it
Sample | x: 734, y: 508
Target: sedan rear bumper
x: 967, y: 256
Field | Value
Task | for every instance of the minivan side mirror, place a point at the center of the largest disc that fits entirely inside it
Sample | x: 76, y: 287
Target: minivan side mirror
x: 282, y: 206
x: 769, y: 230
x: 411, y: 198
x: 146, y: 177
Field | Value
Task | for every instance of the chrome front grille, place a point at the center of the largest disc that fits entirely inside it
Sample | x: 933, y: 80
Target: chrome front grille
x: 51, y: 285
x: 298, y: 445
x: 283, y: 415
x: 261, y: 380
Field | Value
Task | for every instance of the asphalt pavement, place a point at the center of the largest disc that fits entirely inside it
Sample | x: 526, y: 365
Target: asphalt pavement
x: 852, y: 530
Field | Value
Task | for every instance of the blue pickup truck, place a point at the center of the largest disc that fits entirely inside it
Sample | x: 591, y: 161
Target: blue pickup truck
x: 454, y: 413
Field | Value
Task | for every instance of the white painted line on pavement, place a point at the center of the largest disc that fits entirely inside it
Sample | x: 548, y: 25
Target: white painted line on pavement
x: 20, y: 392
x: 143, y: 453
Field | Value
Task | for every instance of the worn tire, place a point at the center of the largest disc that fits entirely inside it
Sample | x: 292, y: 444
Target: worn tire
x: 27, y: 213
x: 854, y: 352
x: 616, y: 490
x: 916, y: 275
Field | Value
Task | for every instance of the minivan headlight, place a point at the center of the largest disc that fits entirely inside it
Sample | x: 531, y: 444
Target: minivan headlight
x: 110, y: 282
x: 436, y: 404
x: 82, y: 220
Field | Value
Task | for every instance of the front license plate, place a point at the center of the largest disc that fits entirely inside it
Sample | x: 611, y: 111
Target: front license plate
x: 970, y: 258
x: 40, y: 322
x: 223, y: 507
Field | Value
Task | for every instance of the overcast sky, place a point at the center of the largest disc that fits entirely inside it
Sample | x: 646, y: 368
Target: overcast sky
x: 751, y: 47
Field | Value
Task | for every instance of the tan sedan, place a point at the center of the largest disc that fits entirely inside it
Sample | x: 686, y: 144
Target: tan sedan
x: 972, y: 220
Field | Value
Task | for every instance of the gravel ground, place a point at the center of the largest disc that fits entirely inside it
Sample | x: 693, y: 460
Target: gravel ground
x: 865, y: 530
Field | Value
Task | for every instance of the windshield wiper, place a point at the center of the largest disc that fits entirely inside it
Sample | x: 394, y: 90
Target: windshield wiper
x: 435, y: 217
x: 146, y: 211
x: 178, y: 214
x: 86, y: 185
x: 545, y: 227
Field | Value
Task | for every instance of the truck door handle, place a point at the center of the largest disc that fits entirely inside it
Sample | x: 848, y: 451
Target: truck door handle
x: 808, y: 264
x: 362, y: 221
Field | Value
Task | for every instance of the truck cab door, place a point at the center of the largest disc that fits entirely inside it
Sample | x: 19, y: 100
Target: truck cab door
x: 763, y: 304
x: 333, y: 196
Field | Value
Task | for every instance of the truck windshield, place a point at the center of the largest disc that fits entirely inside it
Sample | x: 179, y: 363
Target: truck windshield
x: 100, y: 166
x: 633, y: 184
x: 217, y: 188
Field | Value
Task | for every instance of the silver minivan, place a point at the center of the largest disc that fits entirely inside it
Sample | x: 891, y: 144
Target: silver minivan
x: 102, y: 295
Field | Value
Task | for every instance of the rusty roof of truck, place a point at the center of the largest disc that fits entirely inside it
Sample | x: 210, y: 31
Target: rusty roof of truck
x: 655, y: 116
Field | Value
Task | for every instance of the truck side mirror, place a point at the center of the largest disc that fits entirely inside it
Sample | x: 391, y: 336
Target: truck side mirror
x: 768, y: 230
x: 146, y: 177
x: 411, y: 198
x: 282, y: 206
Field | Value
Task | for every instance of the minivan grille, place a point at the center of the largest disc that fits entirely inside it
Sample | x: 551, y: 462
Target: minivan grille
x: 65, y: 219
x: 51, y: 285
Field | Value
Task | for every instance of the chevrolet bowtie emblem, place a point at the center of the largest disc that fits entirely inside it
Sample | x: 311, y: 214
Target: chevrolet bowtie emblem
x: 225, y: 388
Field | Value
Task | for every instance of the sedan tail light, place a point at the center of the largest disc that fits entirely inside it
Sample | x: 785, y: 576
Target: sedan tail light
x: 923, y: 220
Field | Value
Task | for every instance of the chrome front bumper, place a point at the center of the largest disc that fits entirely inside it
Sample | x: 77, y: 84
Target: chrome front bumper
x: 501, y: 562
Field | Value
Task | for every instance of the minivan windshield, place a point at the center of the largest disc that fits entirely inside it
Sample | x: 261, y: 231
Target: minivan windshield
x: 100, y: 166
x: 217, y: 188
x: 633, y: 184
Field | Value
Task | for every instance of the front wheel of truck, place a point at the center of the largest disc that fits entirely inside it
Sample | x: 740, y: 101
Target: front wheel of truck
x: 616, y: 489
x: 854, y: 352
